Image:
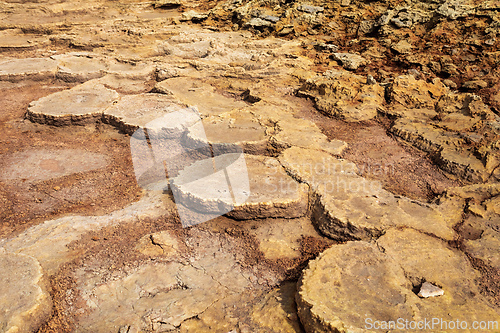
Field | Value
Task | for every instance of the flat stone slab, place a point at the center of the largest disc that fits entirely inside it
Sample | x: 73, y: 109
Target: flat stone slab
x: 201, y: 95
x: 81, y: 104
x: 268, y: 191
x: 286, y: 130
x: 25, y: 302
x: 378, y: 281
x: 234, y: 128
x: 280, y: 238
x: 27, y: 69
x: 158, y: 295
x: 347, y: 206
x: 43, y: 164
x: 134, y: 111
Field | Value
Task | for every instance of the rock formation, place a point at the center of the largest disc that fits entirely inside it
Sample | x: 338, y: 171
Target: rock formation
x: 113, y: 112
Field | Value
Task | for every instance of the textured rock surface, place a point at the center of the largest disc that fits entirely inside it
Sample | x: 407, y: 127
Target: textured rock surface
x: 377, y: 280
x: 48, y: 242
x: 347, y: 206
x: 25, y: 303
x: 345, y: 95
x: 36, y: 165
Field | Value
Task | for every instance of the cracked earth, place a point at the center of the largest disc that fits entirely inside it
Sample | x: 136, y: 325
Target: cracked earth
x: 371, y: 137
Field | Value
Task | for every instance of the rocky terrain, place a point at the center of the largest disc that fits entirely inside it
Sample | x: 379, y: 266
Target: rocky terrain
x: 370, y: 132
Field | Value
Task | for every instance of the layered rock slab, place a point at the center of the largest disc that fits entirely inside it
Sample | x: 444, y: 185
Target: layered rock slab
x: 137, y: 111
x: 25, y: 302
x: 75, y: 67
x: 458, y: 129
x: 272, y: 193
x: 81, y: 104
x: 346, y: 206
x: 92, y: 101
x: 378, y: 281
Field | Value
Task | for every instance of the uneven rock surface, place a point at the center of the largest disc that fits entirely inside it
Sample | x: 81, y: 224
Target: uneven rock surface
x: 25, y: 302
x: 378, y: 280
x: 347, y: 206
x: 248, y: 166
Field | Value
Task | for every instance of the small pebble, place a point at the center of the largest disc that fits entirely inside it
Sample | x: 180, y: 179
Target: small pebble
x: 370, y: 80
x: 430, y: 290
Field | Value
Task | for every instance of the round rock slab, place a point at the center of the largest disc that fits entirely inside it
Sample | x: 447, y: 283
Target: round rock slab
x: 355, y: 286
x: 348, y: 282
x: 259, y: 188
x: 78, y: 105
x: 25, y: 303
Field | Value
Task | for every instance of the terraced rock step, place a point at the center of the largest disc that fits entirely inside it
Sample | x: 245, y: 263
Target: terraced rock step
x: 347, y: 206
